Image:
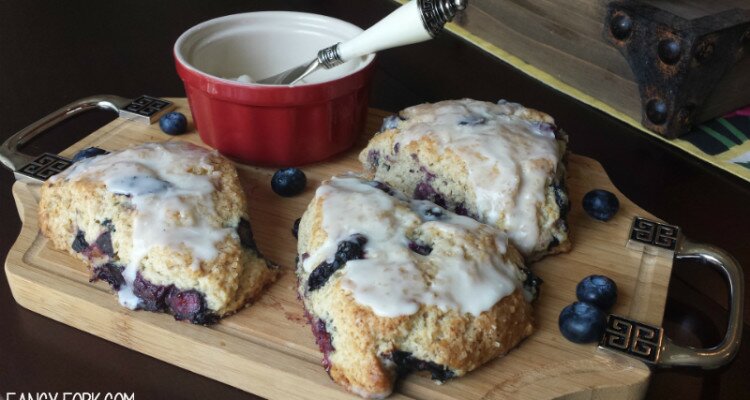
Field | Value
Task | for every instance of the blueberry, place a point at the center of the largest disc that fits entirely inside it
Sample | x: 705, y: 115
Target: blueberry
x: 461, y: 209
x: 288, y: 182
x: 189, y: 305
x: 531, y: 284
x: 373, y: 158
x: 351, y: 249
x: 173, y: 123
x: 109, y: 273
x: 295, y: 227
x: 104, y: 242
x: 79, y: 243
x: 152, y: 296
x: 597, y: 290
x: 88, y: 152
x: 322, y: 339
x: 601, y: 204
x: 420, y: 248
x: 425, y: 191
x: 561, y: 198
x: 472, y: 120
x: 100, y: 248
x: 406, y: 362
x: 390, y: 122
x: 582, y: 322
x: 320, y: 275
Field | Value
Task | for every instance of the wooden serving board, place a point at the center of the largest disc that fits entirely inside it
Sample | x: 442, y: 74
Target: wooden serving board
x: 268, y: 349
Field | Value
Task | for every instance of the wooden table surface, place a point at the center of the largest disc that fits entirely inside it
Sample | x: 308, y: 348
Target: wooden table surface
x: 54, y: 52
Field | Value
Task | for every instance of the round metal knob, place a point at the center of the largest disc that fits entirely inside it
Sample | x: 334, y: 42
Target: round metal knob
x: 670, y: 51
x: 621, y: 26
x: 656, y: 111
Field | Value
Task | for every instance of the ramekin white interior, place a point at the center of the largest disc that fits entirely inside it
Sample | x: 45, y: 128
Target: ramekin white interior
x: 261, y: 44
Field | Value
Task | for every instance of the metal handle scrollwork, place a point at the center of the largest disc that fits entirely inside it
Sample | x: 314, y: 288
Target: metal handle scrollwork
x: 13, y: 158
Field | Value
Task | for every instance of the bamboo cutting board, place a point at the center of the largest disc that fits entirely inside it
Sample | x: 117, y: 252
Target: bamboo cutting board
x: 268, y: 349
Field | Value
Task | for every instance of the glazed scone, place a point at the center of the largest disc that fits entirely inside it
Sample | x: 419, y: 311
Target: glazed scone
x: 391, y: 285
x: 501, y: 164
x: 165, y: 224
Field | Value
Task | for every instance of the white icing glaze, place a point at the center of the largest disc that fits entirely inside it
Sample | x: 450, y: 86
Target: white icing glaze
x: 243, y: 78
x: 388, y: 279
x: 508, y: 158
x: 174, y: 207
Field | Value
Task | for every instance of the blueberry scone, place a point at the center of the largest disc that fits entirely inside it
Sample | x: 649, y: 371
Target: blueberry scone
x: 165, y: 224
x: 392, y: 285
x: 501, y: 164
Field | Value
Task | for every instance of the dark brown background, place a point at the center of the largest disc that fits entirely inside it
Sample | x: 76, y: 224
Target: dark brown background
x: 54, y: 52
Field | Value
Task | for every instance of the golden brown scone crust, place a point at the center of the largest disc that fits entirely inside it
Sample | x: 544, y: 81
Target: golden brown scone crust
x: 404, y: 166
x: 238, y: 274
x: 363, y: 343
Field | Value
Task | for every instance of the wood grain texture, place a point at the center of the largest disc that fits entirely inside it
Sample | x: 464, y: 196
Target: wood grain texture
x: 267, y: 349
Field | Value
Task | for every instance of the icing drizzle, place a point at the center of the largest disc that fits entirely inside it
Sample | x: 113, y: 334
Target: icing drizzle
x: 456, y: 275
x: 173, y: 202
x: 509, y: 158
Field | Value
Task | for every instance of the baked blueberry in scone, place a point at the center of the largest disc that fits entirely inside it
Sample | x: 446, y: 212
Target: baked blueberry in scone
x: 502, y: 164
x: 165, y: 224
x: 392, y: 285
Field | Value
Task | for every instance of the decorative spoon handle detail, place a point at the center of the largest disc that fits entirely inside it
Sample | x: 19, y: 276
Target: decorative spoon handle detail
x: 415, y: 21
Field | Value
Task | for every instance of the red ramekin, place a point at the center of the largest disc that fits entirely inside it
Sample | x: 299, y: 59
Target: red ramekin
x: 272, y: 125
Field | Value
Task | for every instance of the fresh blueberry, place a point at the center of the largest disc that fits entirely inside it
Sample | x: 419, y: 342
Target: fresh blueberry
x: 601, y: 204
x: 597, y: 290
x: 582, y: 322
x: 288, y: 182
x: 295, y: 227
x: 173, y: 123
x: 88, y: 152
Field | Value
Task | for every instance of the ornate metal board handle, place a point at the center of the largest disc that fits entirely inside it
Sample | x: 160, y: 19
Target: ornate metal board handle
x: 648, y: 343
x: 633, y: 338
x: 144, y: 109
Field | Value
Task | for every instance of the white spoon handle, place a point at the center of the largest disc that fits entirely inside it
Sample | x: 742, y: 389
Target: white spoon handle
x: 401, y: 27
x: 415, y: 21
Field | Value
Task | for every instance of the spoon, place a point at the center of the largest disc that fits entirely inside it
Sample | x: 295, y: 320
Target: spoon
x: 415, y: 21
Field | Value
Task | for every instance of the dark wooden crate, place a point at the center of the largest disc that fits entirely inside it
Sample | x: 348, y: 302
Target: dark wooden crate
x: 571, y: 42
